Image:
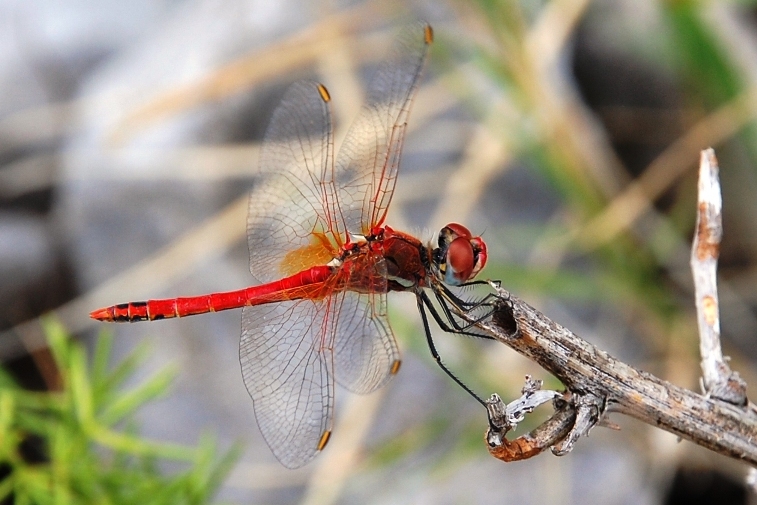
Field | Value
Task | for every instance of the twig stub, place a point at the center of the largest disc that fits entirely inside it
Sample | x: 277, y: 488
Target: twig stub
x: 719, y: 380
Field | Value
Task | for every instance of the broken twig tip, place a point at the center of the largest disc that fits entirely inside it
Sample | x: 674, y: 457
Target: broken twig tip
x: 719, y: 381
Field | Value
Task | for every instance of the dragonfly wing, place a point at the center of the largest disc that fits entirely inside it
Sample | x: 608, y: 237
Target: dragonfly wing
x: 366, y: 168
x: 287, y: 366
x: 365, y: 351
x: 288, y: 229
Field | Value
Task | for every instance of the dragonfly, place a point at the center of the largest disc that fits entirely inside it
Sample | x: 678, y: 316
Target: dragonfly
x: 324, y: 259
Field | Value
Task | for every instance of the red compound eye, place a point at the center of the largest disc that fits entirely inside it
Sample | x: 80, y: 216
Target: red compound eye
x: 463, y: 255
x: 460, y: 260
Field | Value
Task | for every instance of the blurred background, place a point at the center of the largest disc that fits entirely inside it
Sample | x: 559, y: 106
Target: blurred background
x: 568, y: 132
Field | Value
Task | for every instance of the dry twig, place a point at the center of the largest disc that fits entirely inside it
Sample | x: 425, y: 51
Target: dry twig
x: 718, y: 379
x: 722, y: 419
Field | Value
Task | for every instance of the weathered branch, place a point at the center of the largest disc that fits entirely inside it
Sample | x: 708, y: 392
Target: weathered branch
x: 722, y: 420
x: 586, y: 369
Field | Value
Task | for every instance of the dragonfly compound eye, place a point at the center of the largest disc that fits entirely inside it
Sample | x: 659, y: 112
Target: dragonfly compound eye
x: 460, y: 261
x: 460, y: 256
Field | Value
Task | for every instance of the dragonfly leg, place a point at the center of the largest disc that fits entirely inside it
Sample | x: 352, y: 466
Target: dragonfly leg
x: 464, y: 305
x: 424, y: 301
x: 451, y: 324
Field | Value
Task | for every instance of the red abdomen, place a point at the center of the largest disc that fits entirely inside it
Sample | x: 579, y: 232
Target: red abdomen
x: 309, y: 283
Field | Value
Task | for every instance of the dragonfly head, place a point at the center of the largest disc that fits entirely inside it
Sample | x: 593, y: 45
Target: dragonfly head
x: 460, y: 256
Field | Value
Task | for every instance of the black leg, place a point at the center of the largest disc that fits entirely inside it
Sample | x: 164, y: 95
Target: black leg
x: 459, y: 302
x: 423, y: 299
x: 451, y: 325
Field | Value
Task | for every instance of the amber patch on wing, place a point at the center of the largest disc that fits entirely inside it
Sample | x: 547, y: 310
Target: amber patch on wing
x: 319, y: 252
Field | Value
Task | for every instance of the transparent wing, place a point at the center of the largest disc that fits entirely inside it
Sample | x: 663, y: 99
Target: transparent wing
x: 366, y: 353
x: 288, y: 228
x: 368, y: 160
x: 298, y: 217
x: 287, y: 365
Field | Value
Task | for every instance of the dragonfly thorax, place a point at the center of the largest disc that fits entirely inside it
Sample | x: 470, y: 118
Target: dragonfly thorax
x: 459, y: 257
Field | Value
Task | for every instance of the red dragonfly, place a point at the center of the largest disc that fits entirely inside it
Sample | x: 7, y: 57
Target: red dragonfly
x: 324, y: 259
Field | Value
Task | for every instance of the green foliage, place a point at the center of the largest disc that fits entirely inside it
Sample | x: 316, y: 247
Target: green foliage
x: 704, y: 64
x: 86, y: 457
